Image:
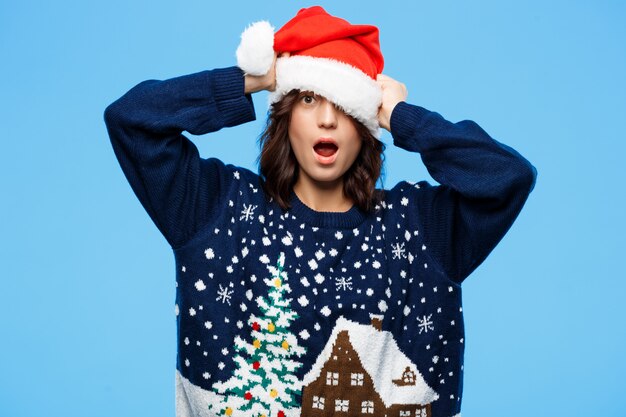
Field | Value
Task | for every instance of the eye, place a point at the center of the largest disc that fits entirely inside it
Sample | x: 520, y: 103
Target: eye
x: 308, y: 98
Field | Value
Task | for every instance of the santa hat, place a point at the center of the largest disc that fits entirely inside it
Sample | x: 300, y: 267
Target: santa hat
x: 328, y: 55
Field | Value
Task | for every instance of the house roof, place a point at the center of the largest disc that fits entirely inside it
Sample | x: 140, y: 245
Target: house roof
x: 383, y: 361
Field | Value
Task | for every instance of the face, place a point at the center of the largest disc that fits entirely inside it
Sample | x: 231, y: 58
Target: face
x: 323, y: 139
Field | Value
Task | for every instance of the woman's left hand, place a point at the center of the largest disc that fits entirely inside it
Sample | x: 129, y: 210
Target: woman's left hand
x: 393, y: 93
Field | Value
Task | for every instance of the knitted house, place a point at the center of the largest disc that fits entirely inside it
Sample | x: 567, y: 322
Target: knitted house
x: 361, y: 371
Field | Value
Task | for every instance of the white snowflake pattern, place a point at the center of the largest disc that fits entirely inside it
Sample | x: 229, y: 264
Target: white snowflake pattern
x: 425, y: 324
x: 398, y: 251
x: 287, y: 240
x: 247, y: 213
x: 224, y: 295
x: 343, y: 283
x: 303, y: 301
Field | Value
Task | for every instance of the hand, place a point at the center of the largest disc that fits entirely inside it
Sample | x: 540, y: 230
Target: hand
x: 263, y: 82
x: 393, y: 93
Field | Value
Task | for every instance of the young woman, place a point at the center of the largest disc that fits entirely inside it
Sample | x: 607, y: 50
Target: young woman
x: 306, y: 291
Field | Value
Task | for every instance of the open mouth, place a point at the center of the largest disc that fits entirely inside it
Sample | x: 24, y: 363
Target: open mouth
x: 325, y: 149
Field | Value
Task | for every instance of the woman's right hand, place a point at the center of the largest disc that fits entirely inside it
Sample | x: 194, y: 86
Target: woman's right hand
x: 254, y: 83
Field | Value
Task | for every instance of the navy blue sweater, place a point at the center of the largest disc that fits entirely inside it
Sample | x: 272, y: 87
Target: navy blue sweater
x: 299, y: 312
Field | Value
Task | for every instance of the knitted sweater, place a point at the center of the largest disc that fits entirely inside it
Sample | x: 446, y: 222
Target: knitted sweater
x: 299, y: 312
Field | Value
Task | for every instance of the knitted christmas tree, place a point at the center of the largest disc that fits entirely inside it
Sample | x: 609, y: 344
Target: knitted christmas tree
x: 264, y: 383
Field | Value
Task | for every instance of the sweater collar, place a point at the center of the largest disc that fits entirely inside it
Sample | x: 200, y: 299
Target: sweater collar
x: 347, y: 219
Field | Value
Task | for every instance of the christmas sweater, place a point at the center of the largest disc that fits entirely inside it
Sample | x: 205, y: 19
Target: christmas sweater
x: 304, y: 313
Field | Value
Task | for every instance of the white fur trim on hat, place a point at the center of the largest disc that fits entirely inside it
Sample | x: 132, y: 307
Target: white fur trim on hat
x: 348, y: 87
x: 255, y: 52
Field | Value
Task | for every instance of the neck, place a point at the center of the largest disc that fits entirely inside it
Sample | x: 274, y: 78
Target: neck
x: 325, y: 196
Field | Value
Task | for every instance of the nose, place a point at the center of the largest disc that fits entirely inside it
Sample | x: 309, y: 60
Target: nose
x: 327, y: 115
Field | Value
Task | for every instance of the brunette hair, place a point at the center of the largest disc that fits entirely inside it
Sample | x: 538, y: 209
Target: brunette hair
x: 279, y: 167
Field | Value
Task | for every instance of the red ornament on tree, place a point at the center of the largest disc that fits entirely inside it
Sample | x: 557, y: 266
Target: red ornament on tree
x: 281, y: 413
x: 248, y: 396
x: 255, y: 326
x: 256, y: 365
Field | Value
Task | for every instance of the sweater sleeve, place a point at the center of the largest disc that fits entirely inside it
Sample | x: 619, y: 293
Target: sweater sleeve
x: 484, y: 185
x: 179, y: 190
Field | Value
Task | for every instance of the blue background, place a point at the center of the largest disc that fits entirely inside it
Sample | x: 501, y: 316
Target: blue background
x: 87, y: 282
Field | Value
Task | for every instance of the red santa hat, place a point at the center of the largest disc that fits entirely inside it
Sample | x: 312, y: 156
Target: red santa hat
x: 328, y: 55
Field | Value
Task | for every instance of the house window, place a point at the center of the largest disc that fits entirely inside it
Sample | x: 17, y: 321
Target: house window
x: 318, y: 402
x: 356, y: 379
x: 405, y: 413
x: 408, y: 377
x: 421, y: 412
x: 341, y: 405
x: 367, y: 407
x: 332, y: 378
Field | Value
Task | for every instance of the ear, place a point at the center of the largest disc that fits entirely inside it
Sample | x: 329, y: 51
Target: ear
x: 255, y: 52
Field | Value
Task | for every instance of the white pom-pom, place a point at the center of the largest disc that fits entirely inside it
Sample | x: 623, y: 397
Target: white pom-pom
x: 255, y: 52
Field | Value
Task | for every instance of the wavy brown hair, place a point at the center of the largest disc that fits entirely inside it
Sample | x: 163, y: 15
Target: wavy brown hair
x: 279, y: 167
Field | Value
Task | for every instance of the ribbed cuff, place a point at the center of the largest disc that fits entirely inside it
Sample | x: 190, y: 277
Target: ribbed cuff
x: 228, y: 83
x: 228, y: 91
x: 406, y: 119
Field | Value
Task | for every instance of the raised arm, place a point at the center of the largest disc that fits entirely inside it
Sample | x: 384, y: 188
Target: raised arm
x: 179, y: 190
x: 484, y: 185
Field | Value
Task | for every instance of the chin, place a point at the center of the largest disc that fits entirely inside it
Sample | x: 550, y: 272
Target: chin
x: 326, y: 177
